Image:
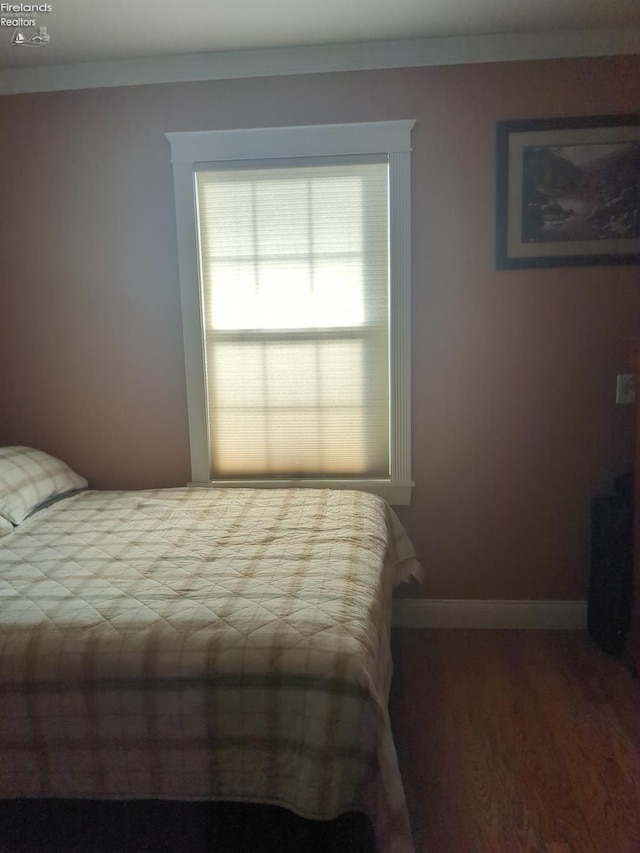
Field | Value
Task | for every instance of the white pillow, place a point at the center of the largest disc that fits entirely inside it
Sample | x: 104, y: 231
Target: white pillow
x: 30, y: 477
x: 5, y: 527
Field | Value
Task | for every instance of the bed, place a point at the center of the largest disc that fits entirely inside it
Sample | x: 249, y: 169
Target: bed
x: 200, y: 644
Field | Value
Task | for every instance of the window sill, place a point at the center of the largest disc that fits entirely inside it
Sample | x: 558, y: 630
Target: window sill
x: 396, y: 494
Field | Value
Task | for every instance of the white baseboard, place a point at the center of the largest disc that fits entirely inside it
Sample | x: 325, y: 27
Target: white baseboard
x: 447, y: 613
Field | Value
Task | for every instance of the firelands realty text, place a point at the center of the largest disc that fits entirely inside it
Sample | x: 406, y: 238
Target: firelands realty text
x: 17, y: 8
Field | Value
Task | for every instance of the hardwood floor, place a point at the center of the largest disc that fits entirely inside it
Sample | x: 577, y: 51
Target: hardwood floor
x: 508, y: 742
x: 514, y: 741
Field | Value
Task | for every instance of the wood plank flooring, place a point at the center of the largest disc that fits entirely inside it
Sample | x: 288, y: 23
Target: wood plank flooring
x: 508, y: 742
x: 514, y: 741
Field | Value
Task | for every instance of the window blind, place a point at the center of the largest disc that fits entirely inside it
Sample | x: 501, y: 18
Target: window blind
x: 294, y: 274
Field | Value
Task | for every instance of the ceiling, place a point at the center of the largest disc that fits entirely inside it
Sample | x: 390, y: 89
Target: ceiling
x: 85, y: 31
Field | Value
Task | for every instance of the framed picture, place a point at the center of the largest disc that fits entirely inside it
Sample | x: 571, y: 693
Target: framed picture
x: 568, y: 192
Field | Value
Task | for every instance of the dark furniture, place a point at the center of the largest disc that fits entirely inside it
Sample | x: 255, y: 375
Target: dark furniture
x: 632, y: 646
x: 610, y: 578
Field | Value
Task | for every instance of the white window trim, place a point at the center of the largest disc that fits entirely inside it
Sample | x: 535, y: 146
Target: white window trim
x: 392, y: 138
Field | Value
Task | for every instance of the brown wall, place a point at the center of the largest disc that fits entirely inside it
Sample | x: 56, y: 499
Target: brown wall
x: 514, y: 423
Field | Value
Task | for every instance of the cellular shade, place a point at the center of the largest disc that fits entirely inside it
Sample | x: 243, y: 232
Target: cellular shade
x: 294, y: 270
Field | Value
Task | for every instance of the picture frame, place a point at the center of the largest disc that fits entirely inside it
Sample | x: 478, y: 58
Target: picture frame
x: 568, y: 192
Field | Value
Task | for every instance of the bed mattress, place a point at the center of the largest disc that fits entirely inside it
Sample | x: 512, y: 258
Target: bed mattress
x: 185, y: 644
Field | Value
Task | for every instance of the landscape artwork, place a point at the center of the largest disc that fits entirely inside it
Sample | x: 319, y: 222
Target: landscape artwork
x: 581, y: 192
x: 568, y: 192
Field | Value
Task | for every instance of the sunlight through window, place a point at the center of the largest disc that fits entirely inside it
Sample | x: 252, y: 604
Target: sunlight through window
x: 294, y: 277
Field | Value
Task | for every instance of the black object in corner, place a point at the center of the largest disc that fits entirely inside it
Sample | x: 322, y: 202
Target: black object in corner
x: 610, y: 579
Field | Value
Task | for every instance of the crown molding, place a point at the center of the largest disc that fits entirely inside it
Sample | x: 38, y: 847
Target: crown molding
x: 365, y: 56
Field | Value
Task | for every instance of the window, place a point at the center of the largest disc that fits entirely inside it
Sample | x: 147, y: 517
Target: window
x: 294, y: 268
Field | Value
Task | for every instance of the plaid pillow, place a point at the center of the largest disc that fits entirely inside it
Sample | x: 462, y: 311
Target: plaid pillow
x: 30, y: 477
x: 5, y: 527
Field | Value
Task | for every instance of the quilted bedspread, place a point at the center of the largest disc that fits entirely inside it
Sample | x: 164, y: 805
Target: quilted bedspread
x: 204, y: 644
